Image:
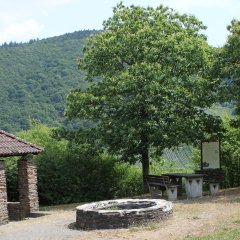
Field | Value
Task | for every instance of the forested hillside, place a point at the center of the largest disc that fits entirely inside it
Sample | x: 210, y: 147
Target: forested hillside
x: 36, y: 77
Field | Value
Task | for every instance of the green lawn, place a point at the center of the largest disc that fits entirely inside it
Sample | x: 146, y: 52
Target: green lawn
x: 225, y: 234
x: 71, y: 206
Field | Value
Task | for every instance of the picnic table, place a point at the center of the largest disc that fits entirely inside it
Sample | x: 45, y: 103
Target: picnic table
x: 193, y: 183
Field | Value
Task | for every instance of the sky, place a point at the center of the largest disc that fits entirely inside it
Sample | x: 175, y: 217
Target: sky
x: 22, y: 20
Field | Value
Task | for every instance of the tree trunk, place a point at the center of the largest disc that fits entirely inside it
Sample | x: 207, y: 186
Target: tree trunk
x: 145, y: 168
x: 144, y: 149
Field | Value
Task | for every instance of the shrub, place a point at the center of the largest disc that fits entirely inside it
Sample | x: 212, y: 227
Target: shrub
x: 129, y: 180
x: 70, y: 173
x: 230, y: 153
x: 12, y: 179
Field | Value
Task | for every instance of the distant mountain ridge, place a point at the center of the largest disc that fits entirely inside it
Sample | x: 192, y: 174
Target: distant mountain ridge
x: 36, y: 77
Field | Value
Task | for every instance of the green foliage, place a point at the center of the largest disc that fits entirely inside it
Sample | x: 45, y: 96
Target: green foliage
x: 230, y: 154
x: 129, y: 180
x: 152, y: 68
x: 35, y: 78
x: 69, y: 172
x: 12, y: 179
x: 196, y: 156
x: 224, y: 109
x: 229, y: 61
x: 162, y: 166
x: 50, y: 164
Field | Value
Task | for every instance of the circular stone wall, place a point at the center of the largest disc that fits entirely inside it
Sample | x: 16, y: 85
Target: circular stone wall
x: 122, y: 213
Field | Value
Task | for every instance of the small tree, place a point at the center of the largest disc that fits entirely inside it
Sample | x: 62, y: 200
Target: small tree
x: 149, y: 73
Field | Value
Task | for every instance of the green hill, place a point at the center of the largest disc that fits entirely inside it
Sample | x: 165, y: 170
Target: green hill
x: 36, y: 77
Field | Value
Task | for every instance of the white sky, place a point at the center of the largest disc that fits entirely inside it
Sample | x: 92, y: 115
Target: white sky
x: 22, y: 20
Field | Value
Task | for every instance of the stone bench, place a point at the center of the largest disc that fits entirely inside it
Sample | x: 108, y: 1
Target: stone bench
x: 159, y: 184
x: 214, y: 177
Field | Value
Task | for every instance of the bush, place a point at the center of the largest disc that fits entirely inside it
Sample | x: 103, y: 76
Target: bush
x: 70, y: 173
x: 50, y: 164
x: 12, y: 179
x: 230, y: 154
x: 129, y: 180
x: 91, y: 176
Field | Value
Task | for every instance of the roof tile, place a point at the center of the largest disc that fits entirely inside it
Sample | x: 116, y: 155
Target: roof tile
x: 11, y: 145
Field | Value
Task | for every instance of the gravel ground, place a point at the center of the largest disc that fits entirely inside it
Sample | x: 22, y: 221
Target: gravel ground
x: 191, y: 218
x: 53, y: 225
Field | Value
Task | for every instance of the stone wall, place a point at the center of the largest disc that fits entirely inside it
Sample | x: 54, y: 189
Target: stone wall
x: 3, y: 195
x: 14, y: 211
x: 27, y: 182
x: 135, y: 213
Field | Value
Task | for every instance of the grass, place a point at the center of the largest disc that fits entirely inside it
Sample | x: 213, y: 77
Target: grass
x: 226, y: 234
x: 152, y: 226
x: 230, y: 233
x: 237, y: 221
x: 60, y: 207
x: 148, y: 227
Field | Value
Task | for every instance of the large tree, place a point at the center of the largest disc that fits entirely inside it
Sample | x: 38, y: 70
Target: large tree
x: 229, y: 61
x: 149, y: 83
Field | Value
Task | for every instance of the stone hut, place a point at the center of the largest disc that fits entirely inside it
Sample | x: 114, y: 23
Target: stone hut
x: 10, y: 146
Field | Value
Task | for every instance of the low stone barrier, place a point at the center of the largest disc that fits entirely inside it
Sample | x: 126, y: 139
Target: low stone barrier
x: 122, y: 213
x: 14, y: 211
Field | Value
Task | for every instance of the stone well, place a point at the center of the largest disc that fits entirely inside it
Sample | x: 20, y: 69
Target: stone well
x: 122, y: 213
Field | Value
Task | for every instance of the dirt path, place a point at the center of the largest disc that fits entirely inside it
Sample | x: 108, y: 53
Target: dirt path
x: 191, y: 218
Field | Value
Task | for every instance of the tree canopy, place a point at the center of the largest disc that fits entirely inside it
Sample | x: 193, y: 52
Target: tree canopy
x: 230, y: 61
x: 149, y: 71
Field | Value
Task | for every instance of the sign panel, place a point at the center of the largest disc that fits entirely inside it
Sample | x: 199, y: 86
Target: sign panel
x: 211, y: 155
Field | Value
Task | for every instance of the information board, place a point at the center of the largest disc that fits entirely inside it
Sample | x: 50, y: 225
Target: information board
x: 211, y: 155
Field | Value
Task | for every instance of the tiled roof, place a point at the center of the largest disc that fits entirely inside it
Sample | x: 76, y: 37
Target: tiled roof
x: 11, y: 145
